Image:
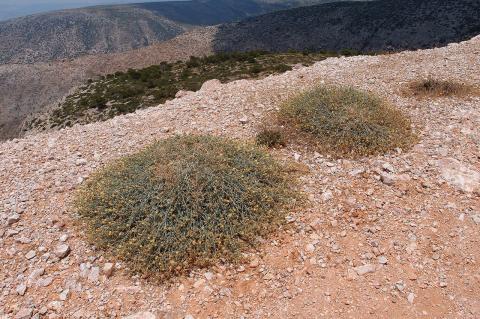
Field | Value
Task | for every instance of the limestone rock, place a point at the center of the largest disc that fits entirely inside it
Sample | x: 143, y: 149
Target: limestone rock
x: 459, y: 175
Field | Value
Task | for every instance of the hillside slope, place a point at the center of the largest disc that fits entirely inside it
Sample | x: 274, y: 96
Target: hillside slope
x: 107, y: 29
x: 358, y: 248
x: 32, y: 88
x: 365, y: 26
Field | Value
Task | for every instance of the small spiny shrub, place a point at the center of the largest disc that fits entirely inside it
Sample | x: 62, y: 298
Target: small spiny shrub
x: 184, y: 202
x: 431, y: 87
x: 346, y: 122
x: 270, y: 137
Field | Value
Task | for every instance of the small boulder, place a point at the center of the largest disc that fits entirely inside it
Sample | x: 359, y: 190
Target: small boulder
x: 62, y: 251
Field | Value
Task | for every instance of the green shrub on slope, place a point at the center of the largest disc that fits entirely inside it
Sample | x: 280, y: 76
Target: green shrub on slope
x: 184, y: 202
x: 347, y: 122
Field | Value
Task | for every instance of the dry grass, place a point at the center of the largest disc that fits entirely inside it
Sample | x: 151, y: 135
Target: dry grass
x: 346, y: 122
x: 430, y: 88
x: 185, y: 202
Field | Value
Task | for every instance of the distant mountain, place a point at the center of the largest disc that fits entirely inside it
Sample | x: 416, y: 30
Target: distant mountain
x: 116, y: 28
x: 364, y: 26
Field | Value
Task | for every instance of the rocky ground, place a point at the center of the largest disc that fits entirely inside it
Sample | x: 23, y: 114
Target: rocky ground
x: 394, y: 236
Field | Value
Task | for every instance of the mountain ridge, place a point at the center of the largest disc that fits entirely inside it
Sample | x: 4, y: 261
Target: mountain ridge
x: 381, y: 25
x: 70, y: 33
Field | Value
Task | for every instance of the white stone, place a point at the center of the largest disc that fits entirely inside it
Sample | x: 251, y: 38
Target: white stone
x: 364, y: 269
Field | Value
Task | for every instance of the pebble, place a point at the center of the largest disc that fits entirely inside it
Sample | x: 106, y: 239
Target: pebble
x: 31, y: 254
x: 364, y: 269
x: 12, y: 219
x: 80, y: 162
x: 382, y: 260
x: 34, y: 275
x: 327, y: 195
x: 142, y: 315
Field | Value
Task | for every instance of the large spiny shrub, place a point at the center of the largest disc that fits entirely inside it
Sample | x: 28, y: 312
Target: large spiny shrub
x: 184, y: 202
x: 347, y: 122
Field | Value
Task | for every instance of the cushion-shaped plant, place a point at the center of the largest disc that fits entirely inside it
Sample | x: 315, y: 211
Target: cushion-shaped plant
x: 347, y: 122
x: 184, y: 202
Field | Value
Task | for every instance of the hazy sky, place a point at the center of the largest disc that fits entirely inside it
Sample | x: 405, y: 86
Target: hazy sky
x: 15, y: 8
